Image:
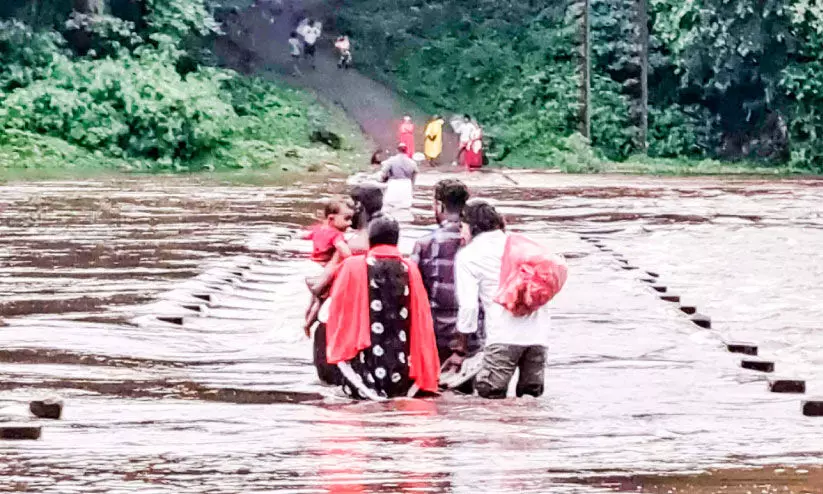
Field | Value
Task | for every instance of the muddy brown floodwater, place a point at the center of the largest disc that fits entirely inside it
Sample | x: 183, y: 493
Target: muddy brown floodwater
x: 167, y: 314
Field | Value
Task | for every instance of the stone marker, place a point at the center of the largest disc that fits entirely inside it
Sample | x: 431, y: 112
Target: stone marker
x: 202, y: 296
x: 758, y: 365
x: 813, y: 408
x: 670, y: 298
x: 171, y: 320
x: 652, y: 274
x: 622, y: 261
x: 195, y: 308
x: 787, y: 386
x: 702, y: 321
x: 648, y: 280
x: 50, y: 408
x: 20, y: 431
x: 660, y: 288
x: 629, y: 268
x: 688, y: 309
x: 744, y: 348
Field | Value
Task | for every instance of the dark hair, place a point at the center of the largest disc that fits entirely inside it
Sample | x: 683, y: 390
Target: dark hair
x: 334, y: 206
x: 482, y: 217
x: 384, y: 230
x: 452, y: 193
x: 293, y: 34
x: 467, y: 116
x: 369, y: 201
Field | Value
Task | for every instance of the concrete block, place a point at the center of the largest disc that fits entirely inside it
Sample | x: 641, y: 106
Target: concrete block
x: 648, y: 280
x: 629, y: 268
x: 758, y: 365
x: 195, y: 308
x: 787, y: 386
x: 653, y: 274
x: 50, y: 408
x: 701, y: 320
x: 622, y: 261
x: 813, y: 408
x: 171, y: 319
x: 202, y: 296
x: 660, y: 288
x: 18, y: 432
x: 688, y: 309
x: 744, y: 348
x: 670, y: 298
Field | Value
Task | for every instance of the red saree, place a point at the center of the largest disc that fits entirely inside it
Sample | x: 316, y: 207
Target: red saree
x: 349, y: 325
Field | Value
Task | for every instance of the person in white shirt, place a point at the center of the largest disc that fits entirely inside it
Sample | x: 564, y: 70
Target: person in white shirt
x: 511, y: 342
x: 311, y: 32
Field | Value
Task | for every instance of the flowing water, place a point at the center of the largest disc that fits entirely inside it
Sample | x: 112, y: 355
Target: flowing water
x: 168, y: 316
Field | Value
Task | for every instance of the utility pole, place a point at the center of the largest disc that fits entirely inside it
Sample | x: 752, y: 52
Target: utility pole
x: 643, y: 22
x: 585, y: 69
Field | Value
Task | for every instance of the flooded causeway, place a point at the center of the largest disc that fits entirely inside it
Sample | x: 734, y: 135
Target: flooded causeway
x: 168, y: 316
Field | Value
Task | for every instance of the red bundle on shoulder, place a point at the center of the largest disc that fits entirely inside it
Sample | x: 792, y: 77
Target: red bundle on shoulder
x: 530, y: 276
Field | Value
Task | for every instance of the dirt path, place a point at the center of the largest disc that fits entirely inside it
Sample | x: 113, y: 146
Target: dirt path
x: 262, y: 38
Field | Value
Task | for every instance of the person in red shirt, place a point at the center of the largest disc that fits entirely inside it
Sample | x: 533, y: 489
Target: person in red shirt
x: 327, y: 239
x: 327, y: 236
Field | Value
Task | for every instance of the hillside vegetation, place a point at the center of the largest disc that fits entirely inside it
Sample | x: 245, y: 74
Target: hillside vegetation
x: 138, y: 91
x: 728, y: 80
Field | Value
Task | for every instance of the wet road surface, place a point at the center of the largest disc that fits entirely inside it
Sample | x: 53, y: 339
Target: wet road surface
x: 168, y: 316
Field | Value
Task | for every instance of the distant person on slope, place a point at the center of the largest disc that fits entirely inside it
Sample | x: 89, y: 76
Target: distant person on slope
x: 343, y: 46
x: 407, y: 135
x: 399, y: 172
x: 311, y: 32
x: 296, y: 51
x: 433, y: 146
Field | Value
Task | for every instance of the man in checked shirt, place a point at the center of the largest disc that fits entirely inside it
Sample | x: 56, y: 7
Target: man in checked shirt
x: 435, y: 254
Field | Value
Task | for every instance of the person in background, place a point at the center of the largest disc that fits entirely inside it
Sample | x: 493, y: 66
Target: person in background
x: 311, y: 33
x: 343, y: 47
x: 433, y: 146
x: 399, y: 172
x: 328, y: 241
x: 379, y: 331
x: 407, y: 135
x: 296, y: 51
x: 471, y: 144
x: 512, y: 342
x: 435, y: 255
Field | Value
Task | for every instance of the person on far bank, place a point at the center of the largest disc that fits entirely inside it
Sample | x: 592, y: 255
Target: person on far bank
x: 435, y: 255
x: 471, y: 144
x: 433, y: 146
x: 407, y: 135
x: 512, y: 342
x: 399, y: 172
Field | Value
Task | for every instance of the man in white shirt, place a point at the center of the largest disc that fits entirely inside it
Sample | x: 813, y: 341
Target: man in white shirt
x: 311, y: 32
x: 511, y: 342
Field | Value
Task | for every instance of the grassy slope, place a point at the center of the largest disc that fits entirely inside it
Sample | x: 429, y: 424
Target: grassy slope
x: 272, y: 154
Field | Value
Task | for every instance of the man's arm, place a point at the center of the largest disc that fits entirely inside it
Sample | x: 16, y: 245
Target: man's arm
x: 467, y: 288
x: 385, y: 168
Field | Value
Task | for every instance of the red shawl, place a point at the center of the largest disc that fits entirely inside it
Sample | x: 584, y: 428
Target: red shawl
x: 348, y: 330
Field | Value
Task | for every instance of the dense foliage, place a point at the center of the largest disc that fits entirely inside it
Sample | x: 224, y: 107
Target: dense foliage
x: 730, y: 80
x: 98, y: 86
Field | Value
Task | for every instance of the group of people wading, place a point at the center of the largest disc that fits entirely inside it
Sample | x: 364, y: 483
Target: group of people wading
x: 388, y: 325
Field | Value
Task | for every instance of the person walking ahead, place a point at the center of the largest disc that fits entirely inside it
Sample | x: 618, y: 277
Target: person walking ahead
x: 512, y: 342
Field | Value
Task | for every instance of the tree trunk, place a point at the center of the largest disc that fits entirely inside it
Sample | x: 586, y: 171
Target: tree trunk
x: 643, y: 44
x: 585, y: 68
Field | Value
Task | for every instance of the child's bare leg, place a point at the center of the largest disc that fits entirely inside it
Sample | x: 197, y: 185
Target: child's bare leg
x: 311, y: 318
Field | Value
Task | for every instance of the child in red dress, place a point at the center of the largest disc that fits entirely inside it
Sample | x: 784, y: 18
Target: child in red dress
x: 327, y: 239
